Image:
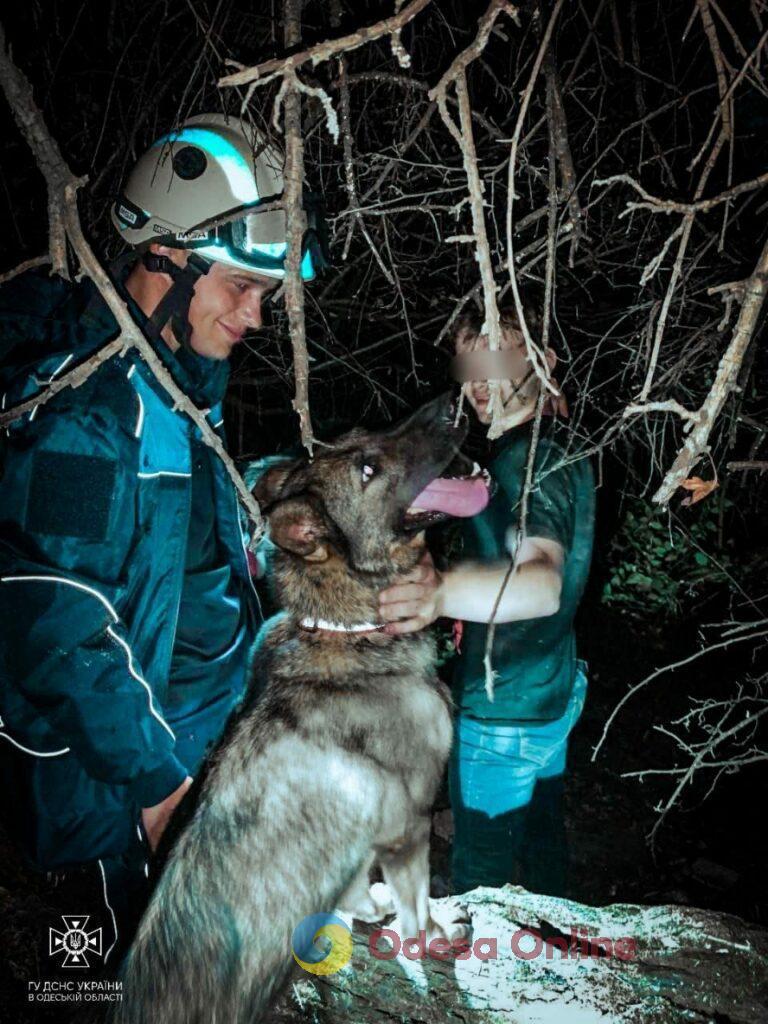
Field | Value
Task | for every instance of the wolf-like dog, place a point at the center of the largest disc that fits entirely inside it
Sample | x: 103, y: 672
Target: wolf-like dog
x: 334, y: 758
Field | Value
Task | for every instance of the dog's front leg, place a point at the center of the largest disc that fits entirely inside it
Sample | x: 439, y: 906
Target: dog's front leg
x: 406, y: 871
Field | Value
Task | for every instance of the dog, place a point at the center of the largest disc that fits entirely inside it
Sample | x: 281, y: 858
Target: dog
x: 334, y: 758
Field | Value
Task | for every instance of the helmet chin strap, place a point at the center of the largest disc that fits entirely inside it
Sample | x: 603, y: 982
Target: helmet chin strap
x: 173, y: 308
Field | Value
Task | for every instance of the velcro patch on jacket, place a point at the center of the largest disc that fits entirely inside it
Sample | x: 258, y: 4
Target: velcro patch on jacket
x: 71, y: 495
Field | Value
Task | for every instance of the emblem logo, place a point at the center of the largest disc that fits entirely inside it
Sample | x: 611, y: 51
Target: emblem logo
x: 75, y: 942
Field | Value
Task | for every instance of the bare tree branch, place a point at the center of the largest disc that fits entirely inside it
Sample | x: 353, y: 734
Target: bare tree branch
x: 456, y: 75
x: 460, y: 63
x: 725, y: 380
x: 79, y: 375
x: 324, y: 51
x: 297, y: 226
x: 760, y: 465
x: 657, y: 205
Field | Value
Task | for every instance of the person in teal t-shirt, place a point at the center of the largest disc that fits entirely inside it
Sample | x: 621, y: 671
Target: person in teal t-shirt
x: 508, y: 759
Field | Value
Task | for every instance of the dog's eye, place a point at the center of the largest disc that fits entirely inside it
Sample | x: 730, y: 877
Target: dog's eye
x: 367, y: 473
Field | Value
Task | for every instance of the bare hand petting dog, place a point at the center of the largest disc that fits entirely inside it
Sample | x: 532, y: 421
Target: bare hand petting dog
x: 414, y: 602
x: 154, y: 819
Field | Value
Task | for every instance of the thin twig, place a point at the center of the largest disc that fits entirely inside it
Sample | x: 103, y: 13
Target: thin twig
x: 324, y: 51
x: 22, y: 268
x: 535, y: 355
x: 520, y: 535
x: 660, y: 671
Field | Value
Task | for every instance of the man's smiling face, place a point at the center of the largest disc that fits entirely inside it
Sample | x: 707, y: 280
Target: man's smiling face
x: 227, y: 302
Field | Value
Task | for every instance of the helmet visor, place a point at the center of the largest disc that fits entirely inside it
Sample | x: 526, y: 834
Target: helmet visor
x: 241, y: 243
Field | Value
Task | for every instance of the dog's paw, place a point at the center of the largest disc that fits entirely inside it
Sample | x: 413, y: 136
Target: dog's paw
x: 449, y: 921
x: 451, y: 931
x: 376, y: 906
x: 382, y: 897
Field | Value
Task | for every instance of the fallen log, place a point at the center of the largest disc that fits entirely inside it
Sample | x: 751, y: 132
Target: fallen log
x: 540, y: 960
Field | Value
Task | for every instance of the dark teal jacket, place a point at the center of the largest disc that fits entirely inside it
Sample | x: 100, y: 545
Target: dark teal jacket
x: 102, y: 713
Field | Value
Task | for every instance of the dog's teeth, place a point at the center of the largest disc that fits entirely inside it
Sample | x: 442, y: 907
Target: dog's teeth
x: 475, y: 469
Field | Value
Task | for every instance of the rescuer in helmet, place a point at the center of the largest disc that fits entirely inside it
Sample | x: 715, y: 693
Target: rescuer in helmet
x: 126, y: 606
x: 200, y: 208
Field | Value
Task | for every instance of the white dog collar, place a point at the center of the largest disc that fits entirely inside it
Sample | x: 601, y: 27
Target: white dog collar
x: 338, y: 627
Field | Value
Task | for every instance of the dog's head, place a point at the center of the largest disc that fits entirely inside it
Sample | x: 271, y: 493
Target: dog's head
x: 368, y: 497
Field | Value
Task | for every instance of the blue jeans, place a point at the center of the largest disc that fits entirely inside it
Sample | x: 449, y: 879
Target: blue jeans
x: 506, y: 785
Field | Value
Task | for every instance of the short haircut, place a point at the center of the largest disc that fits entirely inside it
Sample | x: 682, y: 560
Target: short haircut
x: 471, y: 320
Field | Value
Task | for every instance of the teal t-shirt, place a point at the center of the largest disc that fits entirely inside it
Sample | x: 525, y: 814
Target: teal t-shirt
x: 535, y: 659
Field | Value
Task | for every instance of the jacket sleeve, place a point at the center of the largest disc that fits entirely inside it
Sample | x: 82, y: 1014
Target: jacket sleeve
x: 67, y: 525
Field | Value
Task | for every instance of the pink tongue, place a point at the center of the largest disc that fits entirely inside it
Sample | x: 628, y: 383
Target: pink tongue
x: 455, y: 497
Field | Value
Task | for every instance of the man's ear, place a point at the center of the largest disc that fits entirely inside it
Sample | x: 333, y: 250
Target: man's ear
x: 551, y: 359
x: 279, y: 481
x: 296, y: 526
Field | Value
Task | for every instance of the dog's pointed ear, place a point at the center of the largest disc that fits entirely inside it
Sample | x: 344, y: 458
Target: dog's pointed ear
x: 297, y: 527
x: 281, y: 480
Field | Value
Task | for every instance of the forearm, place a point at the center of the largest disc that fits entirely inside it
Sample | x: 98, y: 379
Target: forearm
x: 469, y: 591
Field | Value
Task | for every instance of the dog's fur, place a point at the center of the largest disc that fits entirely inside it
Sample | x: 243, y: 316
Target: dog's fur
x: 334, y: 758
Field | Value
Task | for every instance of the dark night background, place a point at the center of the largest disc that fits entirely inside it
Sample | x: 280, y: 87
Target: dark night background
x: 640, y: 93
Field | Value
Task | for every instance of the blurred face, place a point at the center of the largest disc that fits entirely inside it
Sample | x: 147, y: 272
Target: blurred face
x: 226, y: 303
x: 518, y: 393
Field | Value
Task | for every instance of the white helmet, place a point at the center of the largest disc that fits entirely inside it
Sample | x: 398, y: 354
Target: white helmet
x: 192, y: 178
